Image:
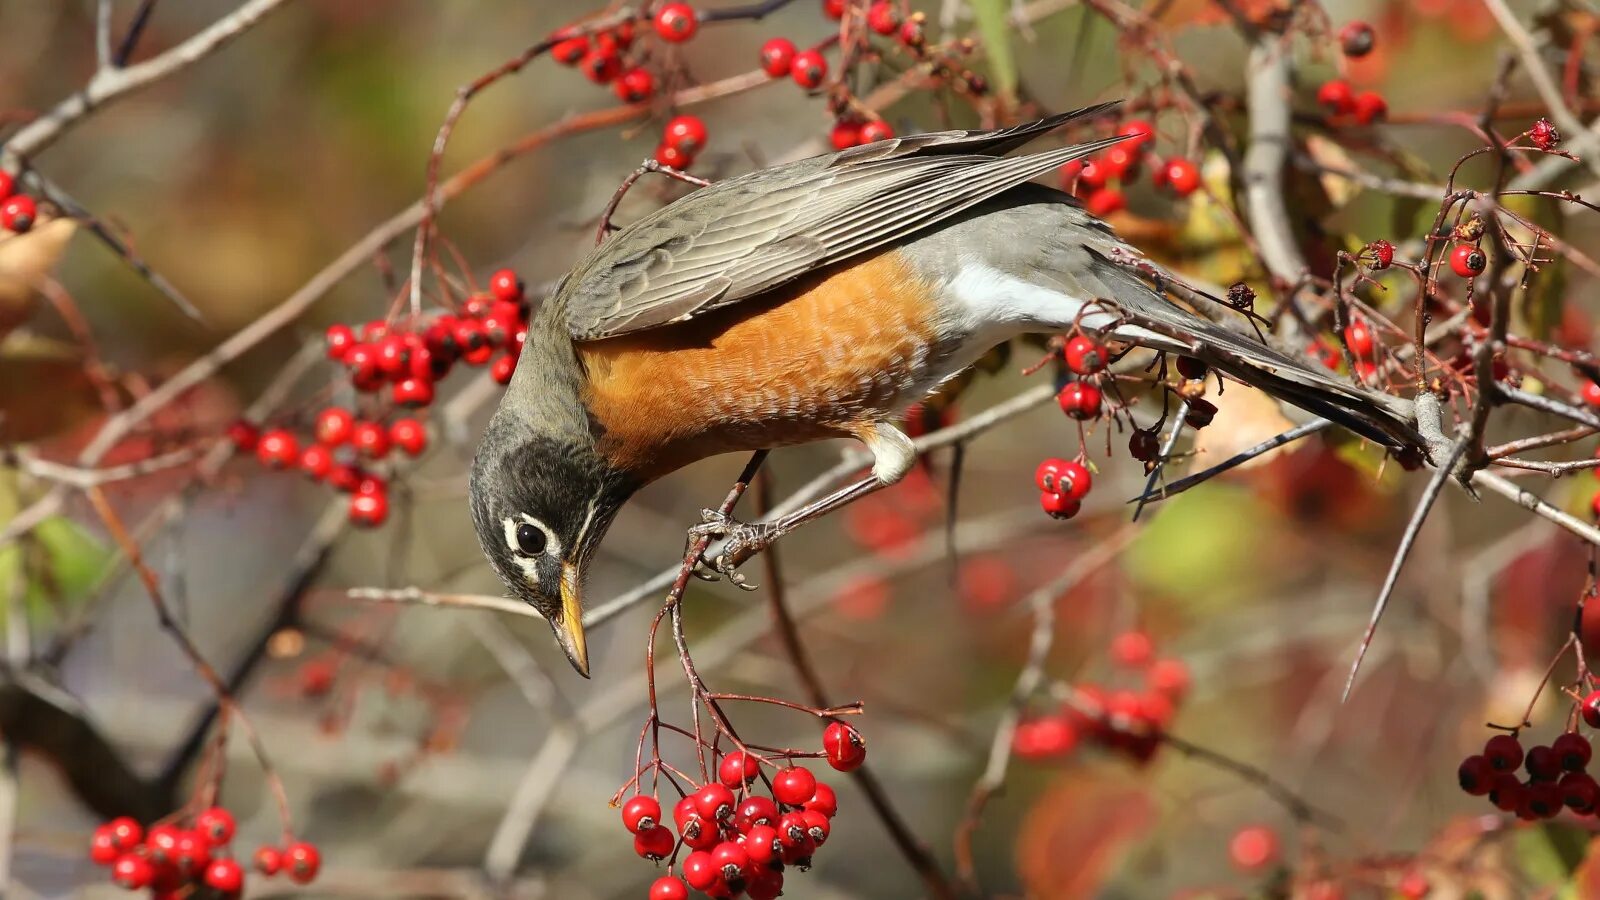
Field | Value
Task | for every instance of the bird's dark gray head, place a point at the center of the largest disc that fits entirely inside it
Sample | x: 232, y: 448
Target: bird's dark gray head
x: 541, y: 502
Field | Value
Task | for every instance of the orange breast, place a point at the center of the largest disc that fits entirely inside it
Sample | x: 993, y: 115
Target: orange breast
x: 817, y: 358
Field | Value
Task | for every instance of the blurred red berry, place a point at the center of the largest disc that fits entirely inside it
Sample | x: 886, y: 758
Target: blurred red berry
x: 268, y: 860
x: 809, y: 70
x: 1544, y: 135
x: 1168, y: 677
x: 1370, y: 107
x: 370, y: 439
x: 1139, y: 133
x: 339, y: 338
x: 8, y: 184
x: 17, y: 213
x: 224, y: 875
x: 883, y: 17
x: 635, y: 85
x: 1253, y: 849
x: 1133, y: 649
x: 1337, y: 95
x: 1542, y: 763
x: 777, y: 56
x: 409, y: 435
x: 677, y: 22
x: 1182, y: 176
x: 278, y: 449
x: 1105, y: 201
x: 876, y: 130
x: 823, y: 800
x: 687, y: 133
x: 1359, y: 336
x: 317, y: 461
x: 654, y: 843
x: 601, y: 66
x: 369, y: 510
x: 1414, y: 885
x: 244, y: 436
x: 1572, y: 751
x: 302, y: 860
x: 1579, y: 792
x: 506, y: 286
x: 132, y: 872
x: 1476, y: 776
x: 833, y: 9
x: 1356, y: 39
x: 570, y: 52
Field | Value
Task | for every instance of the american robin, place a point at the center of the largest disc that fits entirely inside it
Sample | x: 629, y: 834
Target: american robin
x: 811, y: 300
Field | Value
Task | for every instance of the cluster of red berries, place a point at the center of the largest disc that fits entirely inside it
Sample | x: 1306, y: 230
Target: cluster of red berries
x: 1342, y: 100
x: 780, y: 57
x: 1556, y: 776
x: 1127, y: 720
x: 1098, y: 179
x: 17, y: 211
x: 171, y: 860
x: 740, y: 843
x: 410, y: 362
x: 1064, y: 483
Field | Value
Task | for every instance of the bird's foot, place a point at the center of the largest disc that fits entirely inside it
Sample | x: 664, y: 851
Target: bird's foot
x: 741, y: 540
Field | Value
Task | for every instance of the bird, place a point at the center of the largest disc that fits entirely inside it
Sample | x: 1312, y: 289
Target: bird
x: 811, y: 300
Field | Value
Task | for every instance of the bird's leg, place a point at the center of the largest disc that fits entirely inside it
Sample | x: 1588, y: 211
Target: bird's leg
x: 893, y: 455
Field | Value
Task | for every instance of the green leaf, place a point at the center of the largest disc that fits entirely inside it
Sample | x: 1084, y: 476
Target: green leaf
x: 996, y: 34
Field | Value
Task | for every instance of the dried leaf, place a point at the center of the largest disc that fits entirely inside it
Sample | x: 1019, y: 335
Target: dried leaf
x: 24, y: 260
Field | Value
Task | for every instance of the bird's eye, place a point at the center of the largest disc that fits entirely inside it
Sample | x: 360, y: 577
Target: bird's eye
x: 530, y: 539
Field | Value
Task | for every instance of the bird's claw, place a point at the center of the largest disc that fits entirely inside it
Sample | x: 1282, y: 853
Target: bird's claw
x: 742, y: 540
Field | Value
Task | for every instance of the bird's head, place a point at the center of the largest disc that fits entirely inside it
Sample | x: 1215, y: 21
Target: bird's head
x: 541, y: 503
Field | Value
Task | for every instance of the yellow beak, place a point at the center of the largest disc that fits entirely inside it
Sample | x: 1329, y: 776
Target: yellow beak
x: 569, y: 631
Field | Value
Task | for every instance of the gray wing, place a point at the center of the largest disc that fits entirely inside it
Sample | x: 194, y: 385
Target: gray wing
x: 747, y: 235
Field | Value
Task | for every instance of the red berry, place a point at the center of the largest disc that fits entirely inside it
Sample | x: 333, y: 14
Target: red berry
x: 668, y: 888
x: 761, y: 842
x: 1139, y: 133
x: 833, y: 9
x: 777, y: 56
x: 1069, y: 173
x: 809, y: 69
x: 1074, y: 480
x: 794, y: 786
x: 244, y: 436
x: 1591, y: 710
x: 334, y: 426
x: 817, y: 826
x: 1079, y: 400
x: 1508, y: 792
x: 278, y: 449
x: 8, y: 184
x: 302, y: 860
x: 823, y: 801
x: 654, y: 843
x: 883, y: 17
x: 700, y: 871
x: 1542, y: 763
x: 132, y: 872
x: 103, y: 846
x: 1591, y: 396
x: 1085, y: 355
x: 1382, y: 254
x: 17, y: 213
x: 731, y: 861
x: 1572, y: 751
x: 845, y: 749
x: 1120, y: 161
x: 1476, y: 776
x: 1337, y: 95
x: 190, y: 852
x: 1579, y: 791
x: 1467, y: 261
x: 1359, y: 336
x: 714, y: 802
x: 570, y: 52
x: 369, y: 510
x: 912, y: 32
x: 339, y: 338
x: 845, y: 134
x: 1503, y: 752
x: 1543, y: 800
x: 506, y: 286
x: 1544, y: 135
x: 1413, y: 885
x: 362, y: 361
x: 394, y: 356
x: 1047, y: 474
x: 224, y: 875
x: 1370, y: 107
x: 503, y: 369
x: 875, y: 131
x: 316, y: 461
x: 755, y: 810
x: 677, y: 22
x: 344, y: 478
x: 413, y: 393
x: 268, y: 860
x: 1059, y: 506
x: 738, y: 769
x: 1168, y: 677
x: 1356, y: 39
x: 409, y: 435
x: 687, y: 133
x: 1104, y: 201
x: 635, y: 85
x: 161, y: 841
x: 1182, y: 176
x: 640, y: 813
x: 1093, y: 174
x: 601, y: 66
x: 1132, y: 649
x: 1253, y: 849
x: 673, y: 157
x: 370, y: 439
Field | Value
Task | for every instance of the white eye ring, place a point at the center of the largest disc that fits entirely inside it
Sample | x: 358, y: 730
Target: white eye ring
x: 514, y: 524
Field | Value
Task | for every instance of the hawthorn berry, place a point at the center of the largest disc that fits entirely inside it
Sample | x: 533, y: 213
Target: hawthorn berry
x: 777, y: 56
x: 8, y: 184
x: 1544, y: 135
x: 1079, y: 400
x: 244, y: 435
x: 103, y: 849
x: 17, y: 213
x: 1121, y: 161
x: 190, y: 852
x: 845, y: 749
x: 913, y: 32
x: 1181, y: 175
x: 817, y: 826
x: 1085, y: 355
x: 677, y: 22
x: 1504, y: 752
x: 1069, y: 173
x: 301, y: 860
x: 1413, y: 885
x: 635, y: 85
x: 1370, y: 107
x: 161, y: 840
x: 1543, y: 800
x: 755, y: 810
x: 570, y: 51
x: 668, y: 888
x: 1356, y: 39
x: 601, y: 66
x: 316, y: 461
x: 1591, y: 709
x: 361, y: 359
x: 673, y: 157
x: 344, y: 478
x: 278, y: 449
x: 1093, y: 174
x: 1139, y: 133
x: 738, y: 769
x: 1074, y: 480
x: 732, y: 862
x: 505, y: 286
x: 1542, y: 763
x: 654, y: 843
x: 370, y: 439
x: 268, y: 860
x: 1358, y: 335
x: 793, y: 786
x: 1467, y: 261
x: 1048, y: 473
x: 1132, y: 649
x: 875, y: 131
x: 413, y: 393
x: 334, y: 426
x: 1590, y: 391
x: 844, y: 134
x: 701, y: 871
x: 1143, y: 445
x: 1572, y: 751
x: 1254, y: 848
x: 765, y: 884
x: 883, y: 17
x: 809, y: 69
x: 504, y: 367
x: 714, y: 802
x: 339, y: 338
x: 823, y: 801
x: 132, y: 872
x: 1476, y: 776
x: 1337, y: 95
x: 409, y: 435
x: 1508, y: 792
x: 640, y: 813
x: 687, y: 133
x: 369, y: 509
x: 224, y: 875
x: 833, y: 9
x: 126, y: 832
x: 761, y: 842
x: 1105, y: 201
x: 1382, y: 253
x: 1059, y: 506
